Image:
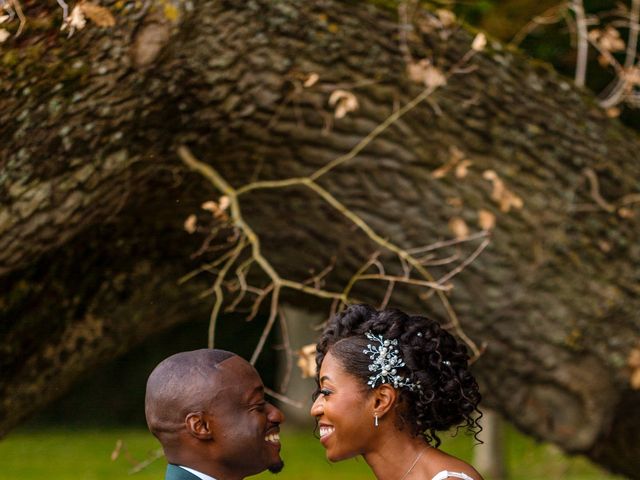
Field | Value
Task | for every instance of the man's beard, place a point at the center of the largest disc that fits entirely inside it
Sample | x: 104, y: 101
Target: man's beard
x: 276, y: 467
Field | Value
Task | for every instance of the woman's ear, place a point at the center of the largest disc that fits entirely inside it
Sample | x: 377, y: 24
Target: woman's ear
x: 199, y: 426
x: 385, y: 397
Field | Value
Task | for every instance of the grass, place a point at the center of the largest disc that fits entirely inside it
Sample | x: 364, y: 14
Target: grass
x: 86, y: 455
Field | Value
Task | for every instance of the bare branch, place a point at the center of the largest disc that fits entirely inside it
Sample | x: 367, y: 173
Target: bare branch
x: 217, y: 287
x: 387, y: 295
x: 275, y: 296
x: 283, y: 398
x: 583, y: 42
x: 595, y: 191
x: 287, y: 350
x: 466, y: 263
x: 448, y: 243
x: 632, y: 42
x: 548, y: 17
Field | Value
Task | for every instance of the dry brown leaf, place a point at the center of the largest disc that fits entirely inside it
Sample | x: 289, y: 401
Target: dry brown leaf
x: 611, y: 40
x: 455, y: 156
x: 634, y: 363
x: 604, y: 60
x: 224, y: 202
x: 116, y: 450
x: 210, y: 206
x: 447, y: 17
x: 311, y: 80
x: 4, y: 18
x: 97, y: 14
x: 463, y: 168
x: 459, y: 228
x: 441, y: 171
x: 424, y: 72
x: 307, y: 360
x: 416, y: 70
x: 632, y: 76
x: 500, y: 194
x: 433, y: 77
x: 75, y: 21
x: 625, y: 212
x: 455, y: 202
x: 343, y: 101
x: 4, y: 34
x: 191, y: 223
x: 634, y: 358
x: 604, y: 245
x: 613, y: 112
x: 635, y: 379
x: 486, y: 220
x: 479, y: 42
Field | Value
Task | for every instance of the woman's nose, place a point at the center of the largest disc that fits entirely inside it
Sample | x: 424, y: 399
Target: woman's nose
x: 316, y: 408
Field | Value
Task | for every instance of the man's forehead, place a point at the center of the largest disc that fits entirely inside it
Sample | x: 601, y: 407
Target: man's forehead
x: 238, y: 374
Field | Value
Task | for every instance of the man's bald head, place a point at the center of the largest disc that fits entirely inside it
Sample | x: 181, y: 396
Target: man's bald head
x: 179, y: 385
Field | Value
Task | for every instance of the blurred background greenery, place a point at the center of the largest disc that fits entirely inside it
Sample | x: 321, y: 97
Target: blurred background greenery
x: 85, y: 454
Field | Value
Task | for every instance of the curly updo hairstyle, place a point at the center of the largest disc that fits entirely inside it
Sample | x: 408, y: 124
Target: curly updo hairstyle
x: 449, y: 394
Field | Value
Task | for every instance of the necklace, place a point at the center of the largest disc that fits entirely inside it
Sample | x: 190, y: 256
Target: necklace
x: 413, y: 464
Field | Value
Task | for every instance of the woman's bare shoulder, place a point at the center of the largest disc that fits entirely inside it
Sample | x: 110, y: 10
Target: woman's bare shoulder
x: 443, y: 466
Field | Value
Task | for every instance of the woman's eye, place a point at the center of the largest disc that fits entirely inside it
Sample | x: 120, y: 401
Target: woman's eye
x: 326, y: 392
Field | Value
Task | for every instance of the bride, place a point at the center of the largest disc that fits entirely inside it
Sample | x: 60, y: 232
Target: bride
x: 387, y: 382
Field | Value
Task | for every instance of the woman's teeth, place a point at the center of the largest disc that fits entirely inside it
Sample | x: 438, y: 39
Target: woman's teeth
x: 325, y: 431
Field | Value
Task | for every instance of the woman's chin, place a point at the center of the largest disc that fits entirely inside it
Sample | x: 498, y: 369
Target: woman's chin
x: 339, y: 456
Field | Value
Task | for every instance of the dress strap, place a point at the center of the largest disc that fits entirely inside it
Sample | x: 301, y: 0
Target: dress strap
x: 446, y: 474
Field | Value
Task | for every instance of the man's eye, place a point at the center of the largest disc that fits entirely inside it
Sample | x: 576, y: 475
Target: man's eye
x: 259, y: 406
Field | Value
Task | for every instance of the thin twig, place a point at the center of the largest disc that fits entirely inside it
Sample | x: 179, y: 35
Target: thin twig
x: 632, y: 42
x: 23, y: 20
x: 283, y: 398
x: 217, y: 287
x: 583, y: 42
x: 595, y: 191
x: 207, y: 267
x: 287, y: 351
x: 548, y: 17
x: 241, y: 275
x: 466, y: 263
x: 407, y: 280
x: 275, y: 297
x: 448, y: 243
x: 155, y: 455
x: 258, y: 301
x: 347, y: 289
x: 387, y: 295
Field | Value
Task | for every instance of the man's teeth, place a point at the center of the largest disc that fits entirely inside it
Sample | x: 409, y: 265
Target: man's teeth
x: 325, y: 431
x: 273, y: 438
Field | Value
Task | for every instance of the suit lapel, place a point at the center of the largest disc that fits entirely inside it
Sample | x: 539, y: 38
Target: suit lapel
x: 176, y: 473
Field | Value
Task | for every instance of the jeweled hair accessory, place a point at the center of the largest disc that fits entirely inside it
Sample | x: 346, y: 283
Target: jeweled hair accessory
x: 385, y: 363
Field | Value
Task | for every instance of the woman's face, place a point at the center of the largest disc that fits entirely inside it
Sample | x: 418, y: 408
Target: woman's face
x: 344, y: 412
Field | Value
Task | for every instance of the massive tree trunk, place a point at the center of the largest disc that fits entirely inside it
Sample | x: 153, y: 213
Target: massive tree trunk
x: 94, y: 195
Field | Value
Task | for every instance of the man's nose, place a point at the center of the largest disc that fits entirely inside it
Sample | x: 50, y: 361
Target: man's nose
x: 275, y: 414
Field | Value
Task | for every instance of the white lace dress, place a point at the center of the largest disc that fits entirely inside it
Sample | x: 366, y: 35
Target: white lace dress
x: 446, y: 474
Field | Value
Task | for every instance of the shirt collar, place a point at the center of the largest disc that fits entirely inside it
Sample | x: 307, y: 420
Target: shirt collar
x: 198, y: 474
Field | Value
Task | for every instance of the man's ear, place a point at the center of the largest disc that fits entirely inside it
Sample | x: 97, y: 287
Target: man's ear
x: 385, y: 397
x: 199, y: 425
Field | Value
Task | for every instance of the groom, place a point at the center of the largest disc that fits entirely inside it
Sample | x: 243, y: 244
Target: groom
x: 207, y: 409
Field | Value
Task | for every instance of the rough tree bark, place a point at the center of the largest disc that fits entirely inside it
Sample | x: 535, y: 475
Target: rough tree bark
x: 93, y: 195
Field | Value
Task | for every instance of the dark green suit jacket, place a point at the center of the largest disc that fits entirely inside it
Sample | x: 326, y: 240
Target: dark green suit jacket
x: 176, y: 473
